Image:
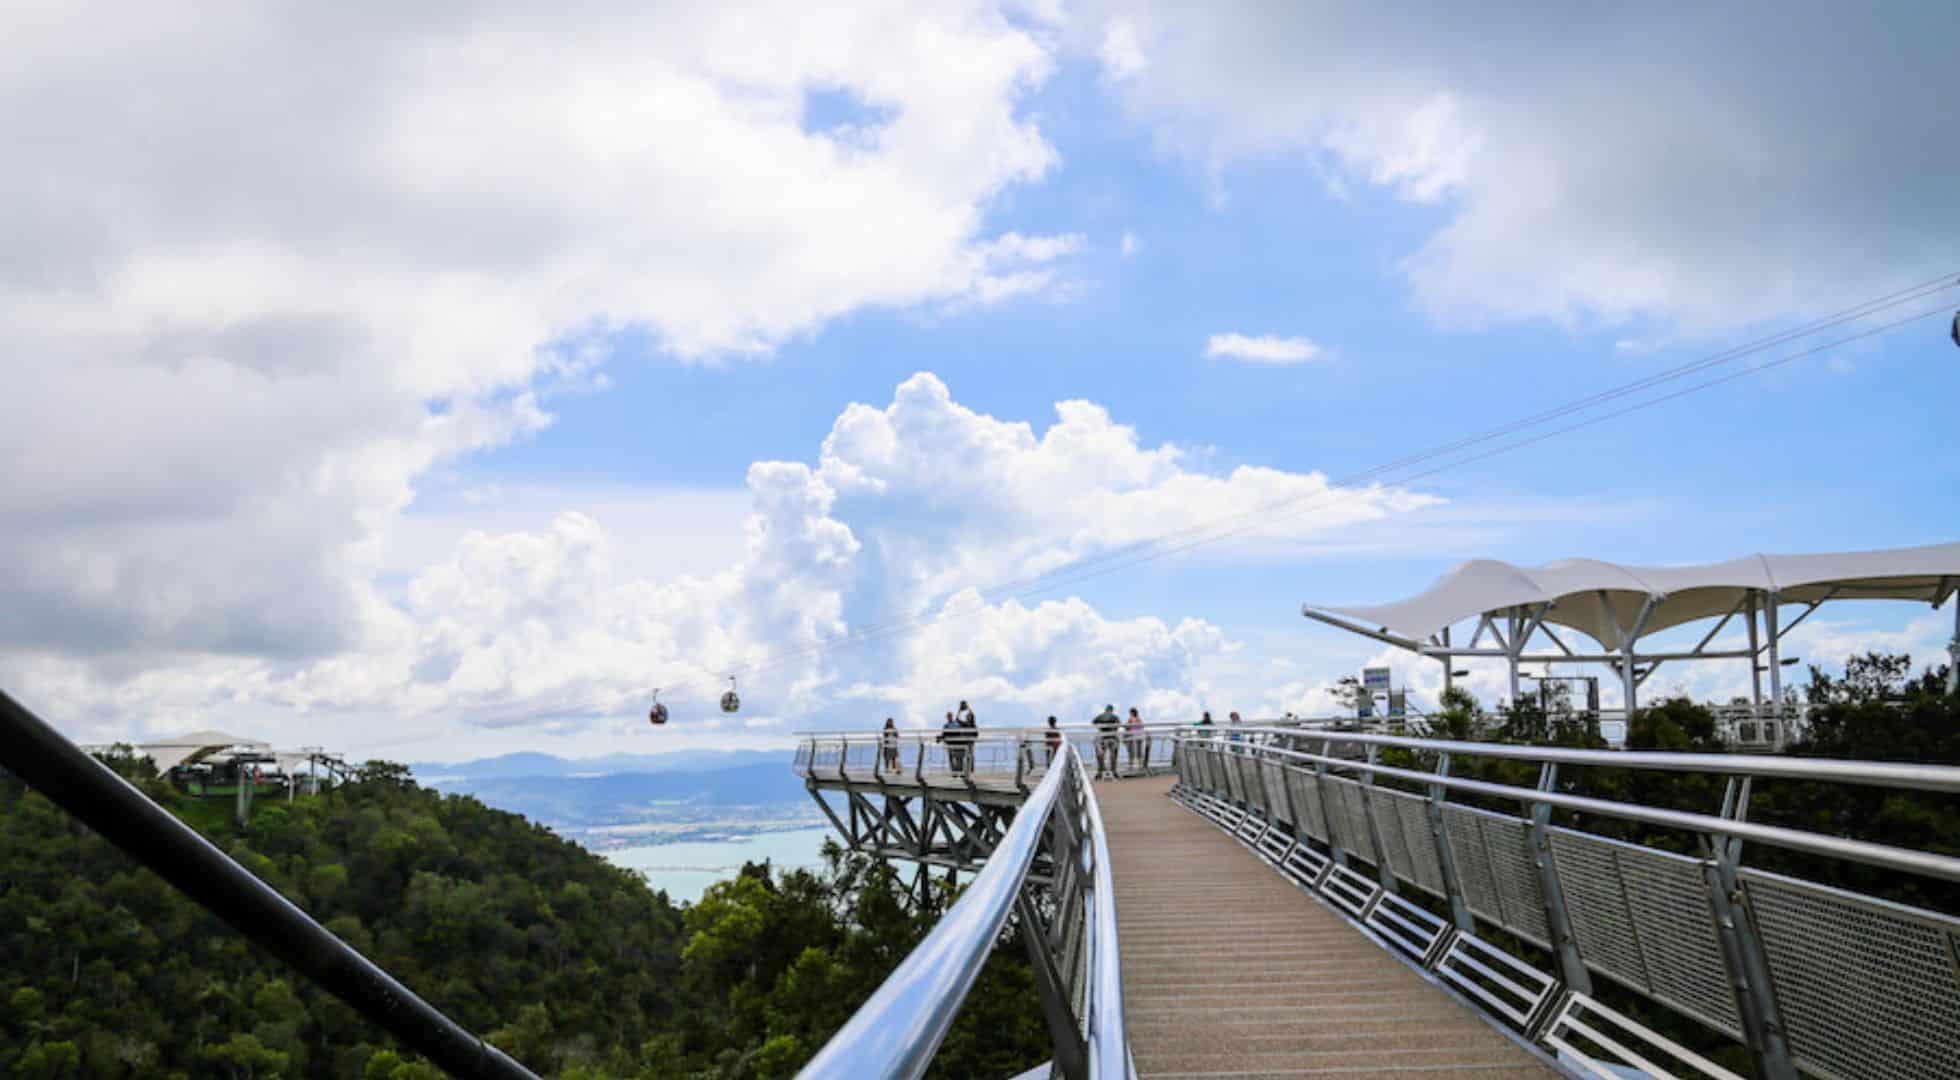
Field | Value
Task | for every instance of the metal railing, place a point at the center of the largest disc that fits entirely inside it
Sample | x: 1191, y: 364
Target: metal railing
x: 1807, y: 976
x: 998, y: 757
x: 1050, y: 866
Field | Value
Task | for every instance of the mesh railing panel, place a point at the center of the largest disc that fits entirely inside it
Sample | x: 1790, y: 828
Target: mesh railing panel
x: 1426, y: 870
x: 1395, y: 846
x: 1247, y: 771
x: 1466, y: 836
x: 1596, y: 902
x: 1866, y: 987
x: 1515, y: 869
x: 1306, y: 798
x: 1350, y: 820
x: 1234, y: 783
x: 1494, y: 860
x: 1668, y: 895
x: 1643, y: 918
x: 1275, y: 779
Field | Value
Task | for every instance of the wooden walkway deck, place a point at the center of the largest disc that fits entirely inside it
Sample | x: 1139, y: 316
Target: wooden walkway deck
x: 1230, y: 970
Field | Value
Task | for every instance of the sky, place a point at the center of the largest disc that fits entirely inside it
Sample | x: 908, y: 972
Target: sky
x: 433, y: 382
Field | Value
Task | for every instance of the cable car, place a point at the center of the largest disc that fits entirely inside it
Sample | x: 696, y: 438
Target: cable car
x: 730, y: 702
x: 658, y: 714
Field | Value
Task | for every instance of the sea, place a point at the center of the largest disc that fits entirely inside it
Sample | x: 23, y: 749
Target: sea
x: 686, y: 868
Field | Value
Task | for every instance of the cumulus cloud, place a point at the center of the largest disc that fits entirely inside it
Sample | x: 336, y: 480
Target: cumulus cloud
x: 907, y: 512
x: 1265, y: 349
x: 1018, y: 664
x: 944, y: 496
x: 269, y: 265
x: 1711, y: 168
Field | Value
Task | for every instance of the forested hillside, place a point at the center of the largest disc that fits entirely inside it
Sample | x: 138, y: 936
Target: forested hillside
x: 572, y: 965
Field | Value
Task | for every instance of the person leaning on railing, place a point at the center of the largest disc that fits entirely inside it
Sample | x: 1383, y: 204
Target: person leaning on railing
x: 1107, y: 725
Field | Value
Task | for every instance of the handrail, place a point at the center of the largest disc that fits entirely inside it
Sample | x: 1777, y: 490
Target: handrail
x: 1936, y: 778
x: 1109, y: 1046
x: 896, y: 1032
x: 1945, y: 778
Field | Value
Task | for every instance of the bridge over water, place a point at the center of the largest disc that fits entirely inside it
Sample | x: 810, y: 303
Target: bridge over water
x: 1280, y: 901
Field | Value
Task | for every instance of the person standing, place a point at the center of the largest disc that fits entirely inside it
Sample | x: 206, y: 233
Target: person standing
x: 888, y: 744
x: 1107, y: 725
x: 969, y: 735
x: 1133, y: 738
x: 1053, y: 739
x: 1235, y: 725
x: 951, y: 735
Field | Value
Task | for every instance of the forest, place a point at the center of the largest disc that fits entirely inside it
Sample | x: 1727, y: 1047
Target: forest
x: 575, y: 967
x: 579, y: 969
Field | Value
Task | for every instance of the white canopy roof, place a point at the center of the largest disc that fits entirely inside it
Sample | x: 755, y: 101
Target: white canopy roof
x: 1599, y: 598
x: 171, y: 752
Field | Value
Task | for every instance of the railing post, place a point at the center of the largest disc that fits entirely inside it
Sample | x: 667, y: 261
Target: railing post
x: 1383, y: 870
x: 1755, y: 995
x: 1565, y: 946
x: 1258, y: 765
x: 1445, y: 858
x: 1327, y: 807
x: 1292, y: 811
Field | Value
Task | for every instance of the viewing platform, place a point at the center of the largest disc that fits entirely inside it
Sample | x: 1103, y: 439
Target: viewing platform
x: 1266, y: 901
x: 1229, y: 969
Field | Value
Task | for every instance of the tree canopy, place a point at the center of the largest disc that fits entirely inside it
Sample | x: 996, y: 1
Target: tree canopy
x: 572, y: 965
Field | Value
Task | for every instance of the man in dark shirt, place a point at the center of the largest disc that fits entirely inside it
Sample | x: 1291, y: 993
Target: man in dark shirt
x: 1107, y: 725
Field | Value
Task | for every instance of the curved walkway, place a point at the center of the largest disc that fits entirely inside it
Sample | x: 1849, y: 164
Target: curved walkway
x: 1229, y: 970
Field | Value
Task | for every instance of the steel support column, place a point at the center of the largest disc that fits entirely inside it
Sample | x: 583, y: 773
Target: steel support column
x: 1383, y: 871
x: 1742, y: 950
x: 1755, y: 663
x: 1445, y: 858
x: 1052, y: 984
x: 1953, y: 651
x: 1327, y: 807
x: 1775, y: 669
x: 1572, y: 969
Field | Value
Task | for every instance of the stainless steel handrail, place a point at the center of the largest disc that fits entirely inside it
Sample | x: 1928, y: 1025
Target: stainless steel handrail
x: 896, y: 1032
x: 1932, y: 777
x: 1769, y: 766
x: 1109, y: 1046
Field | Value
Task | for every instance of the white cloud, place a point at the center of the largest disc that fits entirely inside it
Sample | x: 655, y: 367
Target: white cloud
x: 270, y: 266
x: 1121, y: 55
x: 1705, y: 168
x: 1130, y: 245
x: 1266, y: 349
x: 558, y: 628
x: 1019, y: 664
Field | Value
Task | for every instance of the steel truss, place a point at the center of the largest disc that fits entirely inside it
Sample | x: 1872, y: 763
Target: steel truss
x: 959, y: 826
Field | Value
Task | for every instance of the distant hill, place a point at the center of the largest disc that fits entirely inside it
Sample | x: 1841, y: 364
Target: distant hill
x: 580, y: 802
x: 535, y: 764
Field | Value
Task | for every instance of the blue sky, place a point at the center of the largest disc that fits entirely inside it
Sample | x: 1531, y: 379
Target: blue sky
x: 469, y: 423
